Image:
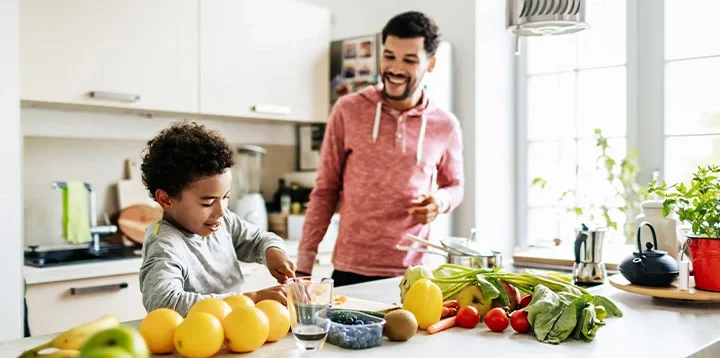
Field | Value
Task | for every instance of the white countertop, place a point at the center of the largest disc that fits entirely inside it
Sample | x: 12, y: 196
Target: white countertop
x: 37, y: 275
x: 650, y: 327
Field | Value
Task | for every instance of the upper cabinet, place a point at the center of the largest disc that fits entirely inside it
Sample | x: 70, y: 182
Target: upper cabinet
x: 129, y: 54
x: 264, y: 59
x: 235, y: 58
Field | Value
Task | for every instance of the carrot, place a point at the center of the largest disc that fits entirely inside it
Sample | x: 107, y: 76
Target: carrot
x: 450, y: 303
x: 452, y: 311
x: 445, y: 312
x: 441, y: 325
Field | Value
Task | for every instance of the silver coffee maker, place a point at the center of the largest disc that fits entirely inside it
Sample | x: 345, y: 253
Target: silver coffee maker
x: 589, y: 267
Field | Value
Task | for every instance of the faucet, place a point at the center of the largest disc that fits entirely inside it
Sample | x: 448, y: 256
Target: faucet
x: 95, y: 230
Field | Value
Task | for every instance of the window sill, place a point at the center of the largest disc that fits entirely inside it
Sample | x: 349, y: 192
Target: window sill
x: 565, y: 256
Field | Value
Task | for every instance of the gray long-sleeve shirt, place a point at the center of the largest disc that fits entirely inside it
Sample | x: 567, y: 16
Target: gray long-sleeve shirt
x: 180, y: 268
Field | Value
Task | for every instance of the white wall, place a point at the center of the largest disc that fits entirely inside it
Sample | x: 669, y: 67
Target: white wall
x: 457, y: 26
x: 11, y: 305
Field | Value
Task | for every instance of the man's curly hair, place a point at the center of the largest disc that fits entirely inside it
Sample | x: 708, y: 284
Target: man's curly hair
x: 182, y: 154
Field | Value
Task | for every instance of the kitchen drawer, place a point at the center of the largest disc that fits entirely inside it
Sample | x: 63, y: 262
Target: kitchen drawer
x: 56, y: 306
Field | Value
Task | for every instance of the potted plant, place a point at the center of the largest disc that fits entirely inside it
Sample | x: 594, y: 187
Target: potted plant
x: 699, y: 206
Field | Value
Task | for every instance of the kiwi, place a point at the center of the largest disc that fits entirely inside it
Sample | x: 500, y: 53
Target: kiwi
x: 400, y: 325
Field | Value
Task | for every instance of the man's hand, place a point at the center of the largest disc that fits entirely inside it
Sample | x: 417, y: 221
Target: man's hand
x: 279, y: 264
x: 276, y: 293
x: 425, y: 209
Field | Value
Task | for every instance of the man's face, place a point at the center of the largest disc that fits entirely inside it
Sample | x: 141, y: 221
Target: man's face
x: 201, y: 206
x: 403, y: 65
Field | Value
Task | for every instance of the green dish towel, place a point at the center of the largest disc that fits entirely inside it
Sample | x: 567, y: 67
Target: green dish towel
x: 76, y: 222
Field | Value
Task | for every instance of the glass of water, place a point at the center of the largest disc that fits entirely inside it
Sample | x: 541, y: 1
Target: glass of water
x: 309, y: 302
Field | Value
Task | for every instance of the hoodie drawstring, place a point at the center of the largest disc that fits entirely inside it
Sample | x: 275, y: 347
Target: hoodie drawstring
x: 421, y: 138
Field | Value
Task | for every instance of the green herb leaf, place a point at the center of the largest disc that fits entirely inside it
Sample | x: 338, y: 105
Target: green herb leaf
x: 611, y: 309
x: 489, y: 291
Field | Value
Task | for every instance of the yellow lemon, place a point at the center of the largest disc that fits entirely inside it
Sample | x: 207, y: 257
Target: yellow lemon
x: 213, y: 306
x: 279, y: 318
x: 424, y: 300
x: 236, y: 301
x: 158, y: 329
x: 199, y: 335
x: 246, y: 329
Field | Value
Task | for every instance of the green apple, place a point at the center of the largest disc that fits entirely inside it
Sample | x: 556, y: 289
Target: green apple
x: 122, y: 341
x: 471, y: 295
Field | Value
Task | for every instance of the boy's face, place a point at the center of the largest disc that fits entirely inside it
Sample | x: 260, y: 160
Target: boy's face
x: 201, y: 206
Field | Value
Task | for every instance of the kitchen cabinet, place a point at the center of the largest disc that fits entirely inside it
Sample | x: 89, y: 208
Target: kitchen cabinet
x: 264, y: 59
x: 57, y: 306
x: 126, y: 54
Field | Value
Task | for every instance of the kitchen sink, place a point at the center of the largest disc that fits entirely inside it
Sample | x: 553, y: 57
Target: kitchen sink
x: 77, y: 256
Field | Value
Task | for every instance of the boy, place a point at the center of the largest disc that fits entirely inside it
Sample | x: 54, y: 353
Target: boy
x: 193, y: 252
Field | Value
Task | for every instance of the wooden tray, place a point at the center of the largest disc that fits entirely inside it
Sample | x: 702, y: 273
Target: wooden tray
x: 353, y: 303
x: 671, y: 293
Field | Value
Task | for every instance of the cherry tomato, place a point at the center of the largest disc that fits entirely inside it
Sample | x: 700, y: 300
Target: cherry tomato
x: 519, y: 321
x: 525, y: 301
x: 496, y: 319
x: 467, y: 317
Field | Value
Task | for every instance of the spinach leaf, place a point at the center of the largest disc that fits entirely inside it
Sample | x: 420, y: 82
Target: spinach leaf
x: 502, y: 297
x: 544, y: 310
x: 588, y: 325
x: 489, y: 291
x: 610, y: 307
x: 565, y: 325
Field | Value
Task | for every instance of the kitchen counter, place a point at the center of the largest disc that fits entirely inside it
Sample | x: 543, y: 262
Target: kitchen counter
x: 36, y: 275
x: 650, y: 327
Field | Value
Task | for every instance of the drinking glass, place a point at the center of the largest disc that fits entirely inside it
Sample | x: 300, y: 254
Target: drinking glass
x: 309, y: 302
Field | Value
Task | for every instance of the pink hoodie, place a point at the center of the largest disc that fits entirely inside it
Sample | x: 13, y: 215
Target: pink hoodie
x: 370, y: 165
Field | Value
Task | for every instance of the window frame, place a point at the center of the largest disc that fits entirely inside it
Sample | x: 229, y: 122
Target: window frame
x: 645, y: 70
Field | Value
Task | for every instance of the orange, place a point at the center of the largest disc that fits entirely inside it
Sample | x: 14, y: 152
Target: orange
x: 213, y: 306
x: 279, y: 318
x: 236, y: 301
x: 246, y: 329
x: 158, y: 330
x: 200, y: 335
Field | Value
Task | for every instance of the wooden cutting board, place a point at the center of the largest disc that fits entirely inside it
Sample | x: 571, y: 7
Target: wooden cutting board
x: 132, y: 191
x: 353, y: 303
x: 134, y: 219
x: 672, y: 292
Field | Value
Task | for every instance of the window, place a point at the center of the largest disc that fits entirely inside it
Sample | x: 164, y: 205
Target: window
x: 692, y: 87
x: 573, y: 85
x: 647, y: 74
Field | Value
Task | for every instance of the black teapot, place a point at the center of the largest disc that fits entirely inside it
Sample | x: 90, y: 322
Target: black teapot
x: 649, y: 267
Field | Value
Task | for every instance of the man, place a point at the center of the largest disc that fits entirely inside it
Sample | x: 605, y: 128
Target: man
x: 382, y: 147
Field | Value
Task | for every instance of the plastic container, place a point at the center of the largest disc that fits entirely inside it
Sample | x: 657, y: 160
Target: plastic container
x: 369, y: 334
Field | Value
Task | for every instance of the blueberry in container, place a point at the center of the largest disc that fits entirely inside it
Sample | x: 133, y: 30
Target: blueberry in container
x: 355, y: 330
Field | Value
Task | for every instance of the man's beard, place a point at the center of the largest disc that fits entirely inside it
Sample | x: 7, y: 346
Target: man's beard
x: 409, y: 87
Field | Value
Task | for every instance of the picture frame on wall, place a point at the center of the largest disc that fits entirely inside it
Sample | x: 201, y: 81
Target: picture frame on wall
x: 309, y: 143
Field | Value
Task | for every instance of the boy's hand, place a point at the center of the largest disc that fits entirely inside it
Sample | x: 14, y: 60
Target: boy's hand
x: 276, y: 293
x: 279, y: 264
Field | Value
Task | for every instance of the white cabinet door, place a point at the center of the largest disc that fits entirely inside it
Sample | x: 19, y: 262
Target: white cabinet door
x: 264, y: 59
x: 132, y: 53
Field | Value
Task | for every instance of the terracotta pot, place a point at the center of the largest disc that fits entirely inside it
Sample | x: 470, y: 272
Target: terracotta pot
x: 705, y: 257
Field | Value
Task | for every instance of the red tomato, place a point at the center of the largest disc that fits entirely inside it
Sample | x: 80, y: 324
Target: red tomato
x: 525, y: 301
x: 519, y: 321
x: 467, y: 317
x: 496, y: 319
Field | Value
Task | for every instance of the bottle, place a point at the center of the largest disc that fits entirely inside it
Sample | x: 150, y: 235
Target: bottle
x: 278, y: 194
x: 667, y: 229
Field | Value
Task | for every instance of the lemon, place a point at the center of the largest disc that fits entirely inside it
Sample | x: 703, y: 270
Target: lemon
x: 424, y: 300
x: 213, y: 306
x: 236, y: 301
x: 246, y: 329
x: 278, y: 316
x: 158, y: 329
x: 199, y: 335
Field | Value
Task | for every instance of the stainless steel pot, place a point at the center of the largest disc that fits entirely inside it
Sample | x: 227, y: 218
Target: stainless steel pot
x: 487, y: 260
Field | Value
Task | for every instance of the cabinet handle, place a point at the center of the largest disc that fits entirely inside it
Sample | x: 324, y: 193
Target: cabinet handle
x: 271, y: 109
x: 115, y: 96
x: 79, y: 291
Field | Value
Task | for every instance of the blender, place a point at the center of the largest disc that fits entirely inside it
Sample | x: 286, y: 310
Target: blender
x: 250, y: 204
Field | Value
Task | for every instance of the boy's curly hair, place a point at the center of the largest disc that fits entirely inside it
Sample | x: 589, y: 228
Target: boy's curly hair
x: 181, y: 154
